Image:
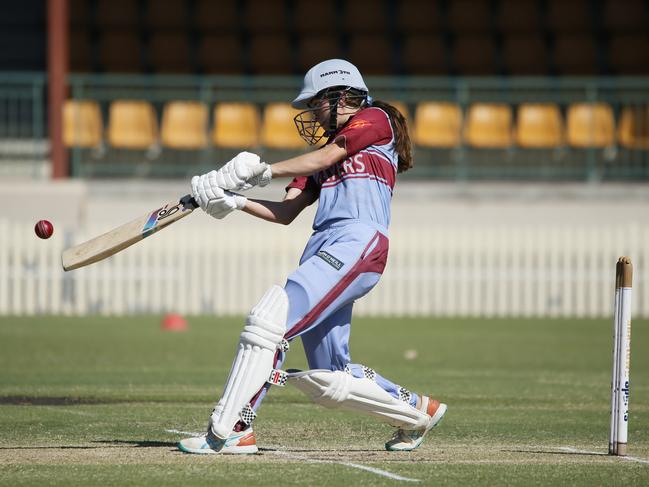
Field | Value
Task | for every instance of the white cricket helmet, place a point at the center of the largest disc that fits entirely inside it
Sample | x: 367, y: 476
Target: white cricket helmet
x: 327, y: 74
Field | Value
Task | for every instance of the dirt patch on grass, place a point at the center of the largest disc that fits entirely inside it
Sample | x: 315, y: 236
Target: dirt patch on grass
x: 55, y: 400
x: 449, y: 454
x: 157, y: 452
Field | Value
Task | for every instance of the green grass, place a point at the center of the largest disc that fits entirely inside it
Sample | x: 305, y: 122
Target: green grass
x: 88, y: 401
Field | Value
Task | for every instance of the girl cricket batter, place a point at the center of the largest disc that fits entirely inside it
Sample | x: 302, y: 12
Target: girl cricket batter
x: 352, y: 177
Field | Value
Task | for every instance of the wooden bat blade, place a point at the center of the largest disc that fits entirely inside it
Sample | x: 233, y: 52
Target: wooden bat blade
x: 126, y: 235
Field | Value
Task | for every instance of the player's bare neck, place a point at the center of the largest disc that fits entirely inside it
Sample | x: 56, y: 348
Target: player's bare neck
x: 344, y: 117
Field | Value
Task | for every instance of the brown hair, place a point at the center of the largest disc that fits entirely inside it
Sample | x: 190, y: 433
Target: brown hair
x: 401, y: 134
x: 356, y: 99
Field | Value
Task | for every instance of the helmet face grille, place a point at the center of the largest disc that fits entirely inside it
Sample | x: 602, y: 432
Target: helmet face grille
x: 308, y: 127
x: 306, y: 122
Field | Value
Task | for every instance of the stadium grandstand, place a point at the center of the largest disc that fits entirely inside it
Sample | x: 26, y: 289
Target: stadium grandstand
x: 494, y: 89
x: 529, y: 118
x: 485, y: 278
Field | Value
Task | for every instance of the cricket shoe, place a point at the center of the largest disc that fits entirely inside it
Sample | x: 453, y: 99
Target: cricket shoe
x: 407, y: 440
x: 239, y: 442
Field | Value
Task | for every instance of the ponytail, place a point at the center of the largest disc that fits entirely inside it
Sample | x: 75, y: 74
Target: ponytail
x: 401, y: 134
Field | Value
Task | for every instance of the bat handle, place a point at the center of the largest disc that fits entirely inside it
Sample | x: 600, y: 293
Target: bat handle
x: 189, y: 202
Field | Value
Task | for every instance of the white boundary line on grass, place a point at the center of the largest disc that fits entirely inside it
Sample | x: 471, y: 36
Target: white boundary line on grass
x: 277, y: 451
x: 587, y: 452
x: 376, y: 471
x: 187, y: 433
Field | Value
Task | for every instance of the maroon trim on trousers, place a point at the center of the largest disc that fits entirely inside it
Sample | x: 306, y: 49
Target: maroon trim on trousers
x: 373, y: 261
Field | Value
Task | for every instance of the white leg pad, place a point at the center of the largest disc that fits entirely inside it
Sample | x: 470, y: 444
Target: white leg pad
x: 338, y: 389
x: 264, y: 330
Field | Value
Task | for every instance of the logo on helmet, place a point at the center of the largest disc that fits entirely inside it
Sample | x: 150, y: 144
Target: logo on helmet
x: 337, y: 71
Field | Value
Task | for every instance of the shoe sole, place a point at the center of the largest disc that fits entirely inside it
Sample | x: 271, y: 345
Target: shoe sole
x: 228, y: 450
x: 434, y: 421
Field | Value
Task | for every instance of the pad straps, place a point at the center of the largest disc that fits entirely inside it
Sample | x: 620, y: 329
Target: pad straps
x: 277, y: 377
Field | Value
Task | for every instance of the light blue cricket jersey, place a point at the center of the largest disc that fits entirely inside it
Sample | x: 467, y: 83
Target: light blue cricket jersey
x: 360, y: 186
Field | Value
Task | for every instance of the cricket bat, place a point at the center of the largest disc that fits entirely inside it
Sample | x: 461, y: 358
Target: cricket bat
x: 126, y: 235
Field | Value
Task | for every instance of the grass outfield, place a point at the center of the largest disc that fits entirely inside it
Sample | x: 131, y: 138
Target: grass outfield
x: 100, y: 401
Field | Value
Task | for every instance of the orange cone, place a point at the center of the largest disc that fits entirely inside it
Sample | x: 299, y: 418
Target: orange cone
x: 174, y: 322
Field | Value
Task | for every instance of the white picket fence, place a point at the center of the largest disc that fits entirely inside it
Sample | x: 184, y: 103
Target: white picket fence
x: 487, y: 271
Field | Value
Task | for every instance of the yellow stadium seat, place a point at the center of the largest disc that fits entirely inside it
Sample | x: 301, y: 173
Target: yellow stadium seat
x: 633, y: 127
x: 437, y: 124
x: 590, y: 125
x: 278, y: 130
x: 539, y: 126
x: 184, y: 125
x: 82, y: 125
x: 489, y: 125
x: 132, y: 124
x: 236, y: 125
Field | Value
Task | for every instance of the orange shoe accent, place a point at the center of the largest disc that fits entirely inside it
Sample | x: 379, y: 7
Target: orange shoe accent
x: 433, y: 404
x: 247, y: 440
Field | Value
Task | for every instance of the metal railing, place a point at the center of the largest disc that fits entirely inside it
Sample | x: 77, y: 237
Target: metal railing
x: 23, y: 149
x: 410, y: 89
x: 22, y: 119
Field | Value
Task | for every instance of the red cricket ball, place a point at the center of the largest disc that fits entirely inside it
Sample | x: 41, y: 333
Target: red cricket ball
x: 44, y: 229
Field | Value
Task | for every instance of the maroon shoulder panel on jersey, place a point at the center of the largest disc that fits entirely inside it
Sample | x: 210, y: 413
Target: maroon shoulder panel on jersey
x: 303, y: 183
x: 370, y: 126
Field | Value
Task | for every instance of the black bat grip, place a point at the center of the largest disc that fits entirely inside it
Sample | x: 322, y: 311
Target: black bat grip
x: 188, y: 202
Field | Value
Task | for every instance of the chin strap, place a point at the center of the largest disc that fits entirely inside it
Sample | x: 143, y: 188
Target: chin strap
x: 333, y: 112
x: 333, y: 115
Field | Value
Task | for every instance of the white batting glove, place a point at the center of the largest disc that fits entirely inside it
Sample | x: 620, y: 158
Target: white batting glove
x: 243, y: 172
x: 215, y: 201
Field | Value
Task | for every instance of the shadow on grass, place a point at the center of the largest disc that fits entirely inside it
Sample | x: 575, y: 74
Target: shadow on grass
x: 54, y: 400
x: 557, y: 452
x: 92, y: 401
x: 320, y: 450
x: 139, y: 443
x: 51, y: 447
x: 103, y: 444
